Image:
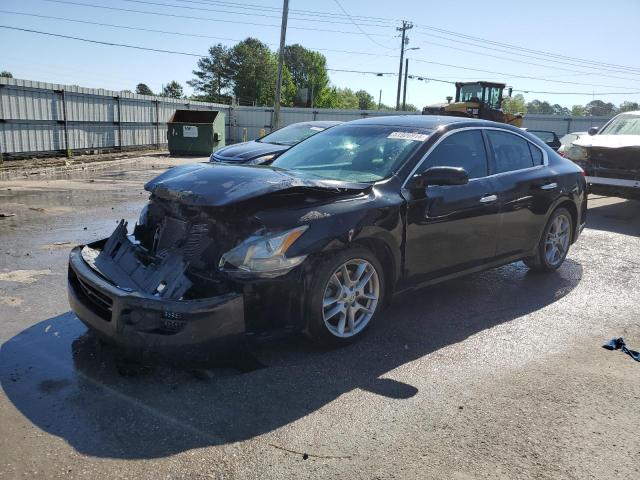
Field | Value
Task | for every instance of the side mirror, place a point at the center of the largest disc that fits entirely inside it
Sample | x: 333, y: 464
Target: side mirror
x: 439, y: 176
x: 593, y: 130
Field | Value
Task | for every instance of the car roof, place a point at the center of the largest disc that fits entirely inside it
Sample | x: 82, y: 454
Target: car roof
x: 430, y: 122
x: 633, y: 112
x: 318, y: 123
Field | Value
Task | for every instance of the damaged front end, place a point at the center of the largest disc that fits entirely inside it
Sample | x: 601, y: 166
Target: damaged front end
x: 150, y: 301
x: 202, y: 265
x: 163, y: 286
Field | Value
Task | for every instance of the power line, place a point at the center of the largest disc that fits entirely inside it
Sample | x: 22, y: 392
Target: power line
x: 111, y: 44
x: 314, y: 29
x: 137, y: 47
x: 112, y: 25
x: 513, y: 75
x: 298, y: 11
x: 244, y: 12
x: 184, y: 34
x: 515, y: 53
x: 448, y: 32
x: 208, y: 19
x: 484, y: 54
x: 516, y: 47
x: 358, y: 26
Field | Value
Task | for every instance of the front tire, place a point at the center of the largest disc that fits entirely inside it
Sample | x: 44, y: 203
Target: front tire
x: 554, y: 244
x: 345, y: 295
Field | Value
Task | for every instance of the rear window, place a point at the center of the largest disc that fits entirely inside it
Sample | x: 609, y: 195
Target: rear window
x: 543, y: 135
x: 510, y: 151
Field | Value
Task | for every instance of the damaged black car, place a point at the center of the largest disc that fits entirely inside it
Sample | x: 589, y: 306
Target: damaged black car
x: 320, y: 240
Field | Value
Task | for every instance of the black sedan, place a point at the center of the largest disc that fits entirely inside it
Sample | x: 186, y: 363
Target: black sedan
x: 320, y: 240
x: 265, y: 149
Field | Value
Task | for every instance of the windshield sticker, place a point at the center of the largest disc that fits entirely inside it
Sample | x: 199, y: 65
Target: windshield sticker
x: 415, y: 137
x: 316, y: 129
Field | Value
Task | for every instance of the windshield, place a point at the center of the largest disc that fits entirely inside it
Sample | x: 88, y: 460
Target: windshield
x: 356, y: 153
x: 471, y: 93
x: 623, y: 125
x: 292, y: 134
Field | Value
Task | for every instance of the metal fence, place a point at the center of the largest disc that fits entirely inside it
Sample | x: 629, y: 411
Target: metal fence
x: 43, y: 119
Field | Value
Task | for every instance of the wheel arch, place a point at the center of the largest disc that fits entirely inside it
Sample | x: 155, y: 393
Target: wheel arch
x: 383, y: 252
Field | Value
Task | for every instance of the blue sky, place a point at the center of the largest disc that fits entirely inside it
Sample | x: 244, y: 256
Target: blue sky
x: 594, y: 31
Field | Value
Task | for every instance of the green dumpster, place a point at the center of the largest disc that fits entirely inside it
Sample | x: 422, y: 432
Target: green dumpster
x: 195, y: 132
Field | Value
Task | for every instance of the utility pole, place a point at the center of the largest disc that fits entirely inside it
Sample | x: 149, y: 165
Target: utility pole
x: 283, y: 34
x: 380, y: 99
x: 404, y: 93
x: 405, y: 26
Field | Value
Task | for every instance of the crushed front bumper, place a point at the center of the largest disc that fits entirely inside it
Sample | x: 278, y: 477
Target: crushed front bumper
x: 144, y: 323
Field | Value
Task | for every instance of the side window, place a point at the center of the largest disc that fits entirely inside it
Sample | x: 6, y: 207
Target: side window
x: 510, y: 151
x: 536, y: 153
x: 462, y: 149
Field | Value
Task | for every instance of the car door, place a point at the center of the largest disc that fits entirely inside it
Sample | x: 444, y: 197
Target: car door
x: 526, y: 189
x: 452, y: 228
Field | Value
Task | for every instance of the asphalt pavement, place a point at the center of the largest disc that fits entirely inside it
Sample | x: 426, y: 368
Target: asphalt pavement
x: 497, y: 375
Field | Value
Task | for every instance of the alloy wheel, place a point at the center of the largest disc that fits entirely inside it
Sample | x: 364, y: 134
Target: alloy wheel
x: 557, y: 241
x: 350, y: 298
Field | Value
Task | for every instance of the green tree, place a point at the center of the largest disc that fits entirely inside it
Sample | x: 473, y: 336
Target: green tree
x: 536, y: 106
x: 143, y: 89
x: 6, y: 74
x: 213, y: 76
x: 514, y: 104
x: 253, y: 71
x: 410, y: 107
x: 560, y: 110
x: 328, y: 98
x: 365, y: 100
x: 308, y: 72
x: 173, y: 89
x: 628, y: 106
x: 577, y: 111
x: 598, y: 108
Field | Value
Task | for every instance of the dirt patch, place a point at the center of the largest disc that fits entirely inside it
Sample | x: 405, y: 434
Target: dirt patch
x: 23, y: 276
x: 11, y: 301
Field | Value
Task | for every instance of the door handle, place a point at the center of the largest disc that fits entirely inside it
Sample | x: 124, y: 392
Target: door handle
x: 488, y: 198
x: 549, y: 186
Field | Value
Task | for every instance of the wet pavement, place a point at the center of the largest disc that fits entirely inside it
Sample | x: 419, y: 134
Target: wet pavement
x: 496, y: 375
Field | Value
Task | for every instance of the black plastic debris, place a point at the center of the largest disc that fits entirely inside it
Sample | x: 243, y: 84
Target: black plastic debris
x: 618, y: 344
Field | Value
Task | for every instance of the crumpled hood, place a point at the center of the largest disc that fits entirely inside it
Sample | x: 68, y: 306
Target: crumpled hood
x: 608, y: 141
x: 243, y: 152
x: 218, y: 185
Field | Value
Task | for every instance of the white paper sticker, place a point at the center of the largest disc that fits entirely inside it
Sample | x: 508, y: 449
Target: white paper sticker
x: 190, y: 131
x: 316, y: 129
x: 416, y: 137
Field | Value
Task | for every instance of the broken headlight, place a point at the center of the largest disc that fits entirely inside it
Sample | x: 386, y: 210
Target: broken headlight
x: 577, y: 152
x: 263, y: 255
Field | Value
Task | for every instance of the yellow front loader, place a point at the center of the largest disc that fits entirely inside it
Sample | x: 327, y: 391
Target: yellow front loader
x: 477, y: 100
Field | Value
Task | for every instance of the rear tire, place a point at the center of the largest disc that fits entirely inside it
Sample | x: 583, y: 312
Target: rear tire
x: 345, y: 296
x: 554, y: 244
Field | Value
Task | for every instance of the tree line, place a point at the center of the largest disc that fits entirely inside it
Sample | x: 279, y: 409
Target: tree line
x: 595, y: 108
x: 247, y: 72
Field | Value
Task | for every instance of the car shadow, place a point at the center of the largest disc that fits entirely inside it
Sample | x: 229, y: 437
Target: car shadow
x: 66, y: 384
x: 620, y: 217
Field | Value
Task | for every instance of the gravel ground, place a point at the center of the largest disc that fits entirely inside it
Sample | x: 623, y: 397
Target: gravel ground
x: 496, y: 375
